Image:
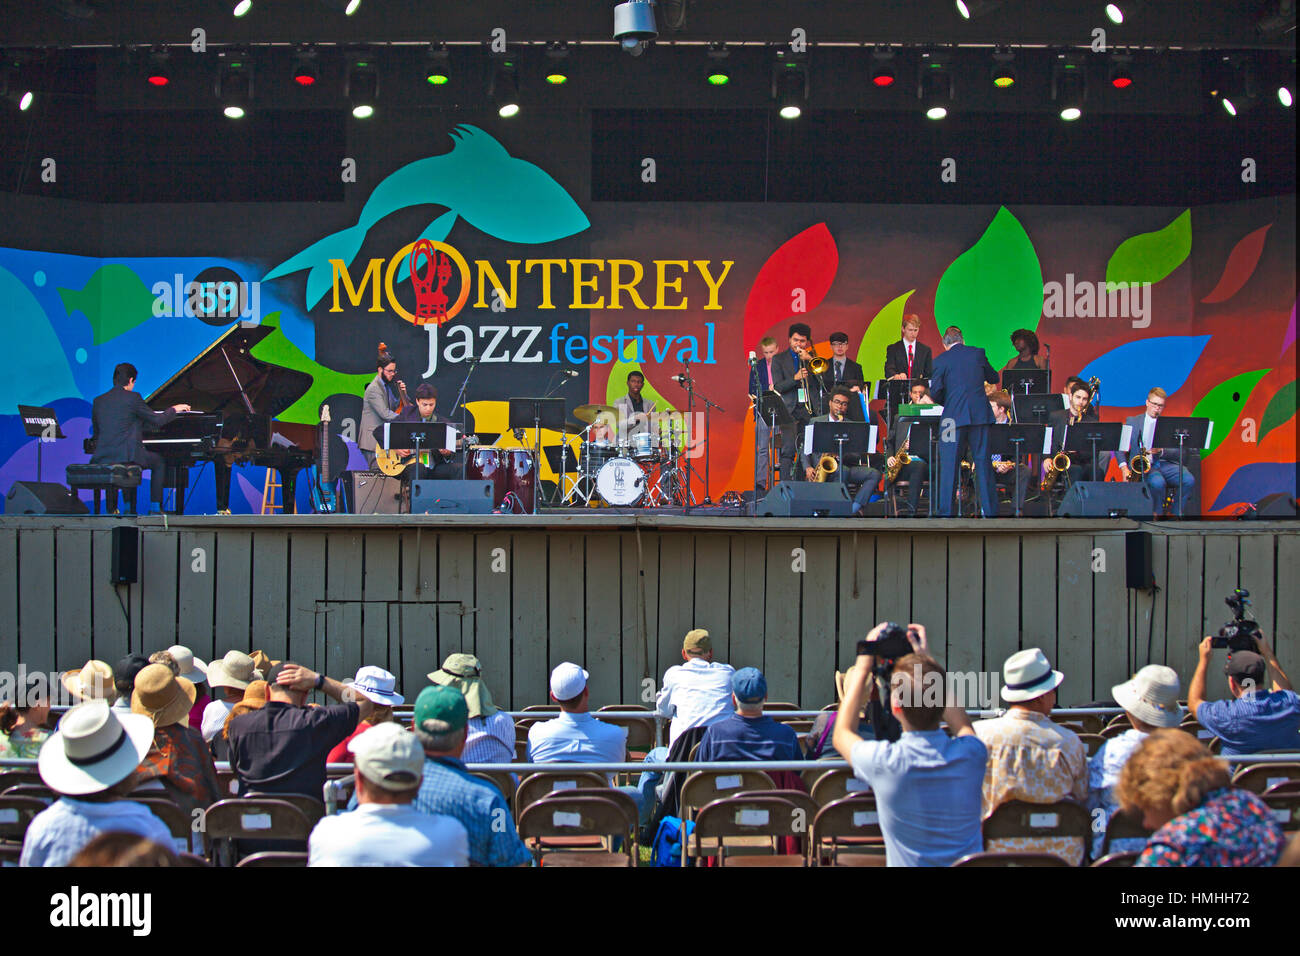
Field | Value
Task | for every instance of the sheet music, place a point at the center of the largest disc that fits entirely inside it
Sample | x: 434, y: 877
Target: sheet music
x: 1125, y: 438
x: 1047, y: 440
x: 807, y: 439
x: 1209, y: 435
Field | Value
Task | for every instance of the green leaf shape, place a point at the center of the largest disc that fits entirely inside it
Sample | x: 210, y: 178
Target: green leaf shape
x: 1150, y: 256
x: 616, y: 387
x: 883, y: 330
x: 1219, y: 406
x: 114, y: 300
x: 992, y: 289
x: 278, y: 350
x: 1280, y: 409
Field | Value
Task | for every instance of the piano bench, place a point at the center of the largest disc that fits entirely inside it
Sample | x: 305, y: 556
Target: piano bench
x: 108, y: 478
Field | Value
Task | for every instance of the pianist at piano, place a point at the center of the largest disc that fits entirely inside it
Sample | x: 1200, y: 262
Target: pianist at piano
x: 119, y: 417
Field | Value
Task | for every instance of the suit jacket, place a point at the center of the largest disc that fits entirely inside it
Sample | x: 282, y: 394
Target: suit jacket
x: 1059, y: 422
x: 785, y: 366
x: 119, y: 417
x: 810, y: 461
x: 374, y: 412
x: 896, y: 360
x: 412, y: 414
x: 957, y: 384
x: 1122, y: 457
x: 624, y: 406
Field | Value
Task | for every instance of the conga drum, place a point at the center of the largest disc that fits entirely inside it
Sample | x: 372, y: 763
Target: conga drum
x: 520, y: 477
x: 485, y: 463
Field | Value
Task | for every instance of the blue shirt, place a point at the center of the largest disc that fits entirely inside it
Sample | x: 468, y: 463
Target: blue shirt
x: 1104, y: 768
x: 576, y: 738
x: 749, y: 738
x: 1253, y: 722
x: 448, y: 788
x: 928, y: 794
x: 62, y: 830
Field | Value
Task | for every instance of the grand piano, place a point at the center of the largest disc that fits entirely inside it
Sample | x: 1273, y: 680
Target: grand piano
x: 235, y: 398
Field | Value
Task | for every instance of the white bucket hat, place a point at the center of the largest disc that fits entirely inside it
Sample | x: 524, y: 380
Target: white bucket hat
x: 376, y: 684
x: 191, y: 668
x: 1027, y: 675
x: 94, y: 748
x: 234, y: 670
x: 1151, y: 696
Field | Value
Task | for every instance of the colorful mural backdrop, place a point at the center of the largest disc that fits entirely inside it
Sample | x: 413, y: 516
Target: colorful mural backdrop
x: 477, y: 253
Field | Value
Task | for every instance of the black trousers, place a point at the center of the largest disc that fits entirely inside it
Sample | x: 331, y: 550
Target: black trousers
x: 157, y: 473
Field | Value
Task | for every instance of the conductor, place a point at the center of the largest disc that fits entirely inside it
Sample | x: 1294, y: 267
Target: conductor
x: 958, y: 385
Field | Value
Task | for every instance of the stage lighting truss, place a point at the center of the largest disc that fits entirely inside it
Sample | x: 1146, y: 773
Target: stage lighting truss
x: 362, y: 86
x: 790, y: 85
x: 718, y: 74
x: 1004, y: 69
x: 934, y: 85
x: 503, y: 91
x: 234, y: 83
x: 1069, y: 86
x: 883, y: 70
x: 557, y: 63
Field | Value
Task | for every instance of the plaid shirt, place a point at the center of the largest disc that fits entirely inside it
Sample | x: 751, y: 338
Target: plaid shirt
x: 450, y: 789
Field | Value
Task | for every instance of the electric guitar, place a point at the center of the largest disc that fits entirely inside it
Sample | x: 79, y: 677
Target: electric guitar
x: 322, y: 487
x: 392, y: 464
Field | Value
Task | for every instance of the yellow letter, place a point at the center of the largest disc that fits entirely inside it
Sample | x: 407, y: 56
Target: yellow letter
x: 546, y: 276
x: 579, y: 283
x: 507, y: 300
x: 703, y: 266
x: 354, y: 294
x: 676, y: 284
x: 616, y: 285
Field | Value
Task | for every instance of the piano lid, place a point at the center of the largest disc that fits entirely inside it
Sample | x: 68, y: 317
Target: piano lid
x: 211, y: 382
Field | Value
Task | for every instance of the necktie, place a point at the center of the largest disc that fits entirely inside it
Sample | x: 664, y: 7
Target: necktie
x: 909, y: 359
x: 839, y: 372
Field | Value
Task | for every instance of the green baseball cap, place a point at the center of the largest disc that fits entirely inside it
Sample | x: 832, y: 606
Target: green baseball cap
x: 444, y: 705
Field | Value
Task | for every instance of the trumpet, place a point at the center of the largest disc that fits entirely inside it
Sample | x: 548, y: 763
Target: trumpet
x: 1057, y: 465
x: 901, y: 459
x: 827, y: 465
x: 1139, y: 466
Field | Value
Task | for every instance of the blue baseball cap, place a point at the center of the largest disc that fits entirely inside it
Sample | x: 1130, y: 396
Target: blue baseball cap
x: 749, y: 685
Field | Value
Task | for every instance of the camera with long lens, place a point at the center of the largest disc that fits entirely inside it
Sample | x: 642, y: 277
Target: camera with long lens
x: 886, y: 649
x: 1238, y: 634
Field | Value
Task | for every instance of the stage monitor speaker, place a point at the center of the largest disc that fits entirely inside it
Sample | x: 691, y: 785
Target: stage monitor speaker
x: 1138, y: 570
x: 1106, y: 499
x: 432, y: 497
x: 806, y: 499
x: 43, y: 498
x: 374, y: 493
x: 1277, y: 505
x: 125, y: 567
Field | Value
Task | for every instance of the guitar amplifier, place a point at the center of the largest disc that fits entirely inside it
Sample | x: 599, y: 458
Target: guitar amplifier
x: 431, y: 497
x: 374, y: 493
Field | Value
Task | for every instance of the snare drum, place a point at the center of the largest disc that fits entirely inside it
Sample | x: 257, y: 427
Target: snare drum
x: 621, y: 482
x: 594, y: 454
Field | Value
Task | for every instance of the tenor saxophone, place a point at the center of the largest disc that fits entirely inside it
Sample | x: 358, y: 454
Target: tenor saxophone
x: 900, y: 460
x: 827, y: 465
x: 1057, y: 465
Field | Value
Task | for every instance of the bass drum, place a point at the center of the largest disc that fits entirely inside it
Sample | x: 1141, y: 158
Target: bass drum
x: 520, y: 479
x: 621, y: 482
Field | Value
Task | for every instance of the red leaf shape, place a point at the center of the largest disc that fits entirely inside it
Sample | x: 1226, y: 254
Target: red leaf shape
x: 1241, y: 266
x: 806, y: 261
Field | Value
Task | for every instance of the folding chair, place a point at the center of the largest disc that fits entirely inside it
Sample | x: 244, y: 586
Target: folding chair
x: 251, y: 818
x: 10, y: 854
x: 1011, y: 859
x: 750, y: 823
x: 537, y: 785
x: 1018, y: 819
x: 1114, y: 730
x: 521, y: 750
x: 641, y: 731
x: 16, y: 814
x: 179, y: 823
x: 1284, y: 787
x: 851, y: 824
x: 1260, y: 777
x: 705, y: 786
x: 1122, y: 826
x: 1117, y: 859
x: 37, y: 790
x: 504, y: 782
x: 1286, y: 809
x: 543, y: 708
x: 550, y: 825
x: 228, y: 782
x: 13, y: 778
x: 273, y: 858
x: 834, y: 785
x: 311, y: 808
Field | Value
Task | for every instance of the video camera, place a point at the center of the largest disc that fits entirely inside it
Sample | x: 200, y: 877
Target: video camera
x: 886, y: 649
x: 1238, y: 634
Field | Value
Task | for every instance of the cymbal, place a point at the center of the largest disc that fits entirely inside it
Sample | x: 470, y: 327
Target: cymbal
x: 589, y: 413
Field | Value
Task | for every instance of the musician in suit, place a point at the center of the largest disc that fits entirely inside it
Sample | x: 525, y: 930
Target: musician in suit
x: 856, y: 470
x: 798, y: 390
x: 634, y: 411
x: 118, y: 418
x: 958, y: 385
x: 908, y: 358
x: 842, y: 370
x: 760, y: 383
x: 1063, y: 420
x: 914, y: 472
x: 384, y: 398
x: 1000, y: 403
x: 442, y: 463
x: 1164, y: 461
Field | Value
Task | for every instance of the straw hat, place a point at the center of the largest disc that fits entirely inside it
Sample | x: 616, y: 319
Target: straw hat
x: 94, y: 748
x: 162, y: 696
x: 191, y: 668
x: 1151, y: 696
x: 92, y: 682
x: 1026, y: 675
x: 234, y: 670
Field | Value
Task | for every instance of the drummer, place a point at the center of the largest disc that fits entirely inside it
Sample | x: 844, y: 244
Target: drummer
x: 633, y: 410
x: 443, y: 463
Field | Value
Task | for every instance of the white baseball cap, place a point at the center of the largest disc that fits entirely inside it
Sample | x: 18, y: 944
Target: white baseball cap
x: 568, y: 681
x: 389, y: 756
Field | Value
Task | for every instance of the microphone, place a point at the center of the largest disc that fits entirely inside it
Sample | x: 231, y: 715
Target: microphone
x: 681, y: 379
x: 569, y: 372
x: 753, y: 359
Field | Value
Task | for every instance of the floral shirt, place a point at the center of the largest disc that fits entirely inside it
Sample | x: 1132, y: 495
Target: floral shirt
x: 1231, y: 828
x: 23, y: 744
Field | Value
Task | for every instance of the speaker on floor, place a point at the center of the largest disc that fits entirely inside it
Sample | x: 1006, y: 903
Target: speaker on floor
x: 374, y: 493
x: 1138, y: 571
x: 1105, y: 499
x: 806, y: 499
x: 1277, y: 505
x: 433, y: 496
x: 125, y: 567
x: 43, y: 498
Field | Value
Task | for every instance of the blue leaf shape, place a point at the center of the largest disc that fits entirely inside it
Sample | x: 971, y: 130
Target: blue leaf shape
x: 1254, y: 481
x: 1128, y: 371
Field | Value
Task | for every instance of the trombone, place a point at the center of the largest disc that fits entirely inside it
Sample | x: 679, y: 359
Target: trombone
x: 814, y: 365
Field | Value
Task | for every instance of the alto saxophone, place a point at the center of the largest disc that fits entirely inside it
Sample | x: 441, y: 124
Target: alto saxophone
x: 827, y: 465
x: 1057, y: 465
x: 901, y: 459
x: 1139, y: 465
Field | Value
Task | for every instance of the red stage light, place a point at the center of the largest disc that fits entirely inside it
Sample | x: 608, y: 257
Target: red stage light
x: 157, y: 79
x: 304, y: 79
x: 883, y: 79
x: 1121, y: 82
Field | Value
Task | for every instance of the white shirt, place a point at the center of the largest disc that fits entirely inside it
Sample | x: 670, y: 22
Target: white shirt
x: 695, y: 694
x: 1148, y: 430
x: 59, y: 833
x: 388, y: 834
x: 214, y: 717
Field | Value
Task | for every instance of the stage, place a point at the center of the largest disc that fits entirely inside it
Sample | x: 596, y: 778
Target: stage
x: 616, y: 592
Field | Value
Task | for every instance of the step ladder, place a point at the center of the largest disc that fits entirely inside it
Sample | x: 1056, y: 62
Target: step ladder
x: 269, y: 506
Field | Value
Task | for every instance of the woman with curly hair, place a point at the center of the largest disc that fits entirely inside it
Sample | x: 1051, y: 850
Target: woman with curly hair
x: 1183, y: 793
x: 1026, y: 345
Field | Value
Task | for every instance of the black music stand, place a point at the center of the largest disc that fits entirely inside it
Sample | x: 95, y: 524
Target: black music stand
x: 1018, y: 441
x: 773, y: 414
x: 926, y: 428
x: 1093, y: 437
x: 537, y: 413
x: 1036, y: 407
x: 1027, y: 381
x: 426, y: 436
x: 897, y: 392
x: 1185, y: 433
x: 43, y: 425
x: 838, y: 438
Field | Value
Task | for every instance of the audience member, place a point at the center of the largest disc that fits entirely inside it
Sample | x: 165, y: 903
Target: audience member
x: 179, y: 759
x: 375, y: 685
x: 22, y: 721
x: 926, y: 784
x: 1255, y: 719
x: 1030, y: 758
x: 90, y: 762
x: 196, y: 672
x: 118, y: 848
x: 441, y: 725
x: 385, y: 829
x: 254, y: 699
x: 124, y: 672
x: 748, y: 734
x: 821, y: 737
x: 1184, y: 794
x: 281, y: 747
x: 490, y: 734
x: 228, y: 678
x: 698, y: 692
x: 1150, y: 700
x: 94, y: 681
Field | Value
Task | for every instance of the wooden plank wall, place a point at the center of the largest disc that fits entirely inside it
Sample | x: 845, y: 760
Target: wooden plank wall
x: 618, y: 601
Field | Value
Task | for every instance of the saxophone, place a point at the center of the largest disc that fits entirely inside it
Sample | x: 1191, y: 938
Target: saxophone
x: 1057, y: 465
x: 827, y: 465
x: 901, y: 459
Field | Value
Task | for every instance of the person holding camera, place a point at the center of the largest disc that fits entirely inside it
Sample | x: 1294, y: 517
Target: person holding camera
x: 927, y: 785
x: 1254, y: 719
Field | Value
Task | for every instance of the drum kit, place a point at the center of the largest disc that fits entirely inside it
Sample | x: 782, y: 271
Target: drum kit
x: 646, y: 469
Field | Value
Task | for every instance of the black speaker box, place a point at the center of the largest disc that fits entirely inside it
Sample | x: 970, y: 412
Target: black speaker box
x: 1138, y: 570
x: 432, y: 497
x: 805, y: 499
x: 1101, y: 499
x: 43, y: 498
x: 126, y: 555
x: 374, y: 493
x: 1277, y: 505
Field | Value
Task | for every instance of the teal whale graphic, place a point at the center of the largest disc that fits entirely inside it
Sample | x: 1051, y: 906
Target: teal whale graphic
x: 478, y: 181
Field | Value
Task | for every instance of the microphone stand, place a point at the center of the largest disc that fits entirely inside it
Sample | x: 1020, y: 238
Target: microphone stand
x: 688, y: 383
x: 564, y: 444
x: 464, y: 416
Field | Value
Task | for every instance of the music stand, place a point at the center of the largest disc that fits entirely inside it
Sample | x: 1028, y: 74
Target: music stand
x: 1185, y: 433
x: 897, y: 392
x: 43, y: 425
x: 1092, y: 437
x: 1027, y: 381
x: 537, y: 413
x: 1017, y: 441
x: 838, y: 438
x: 416, y: 435
x: 774, y: 414
x: 925, y: 428
x: 1036, y: 407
